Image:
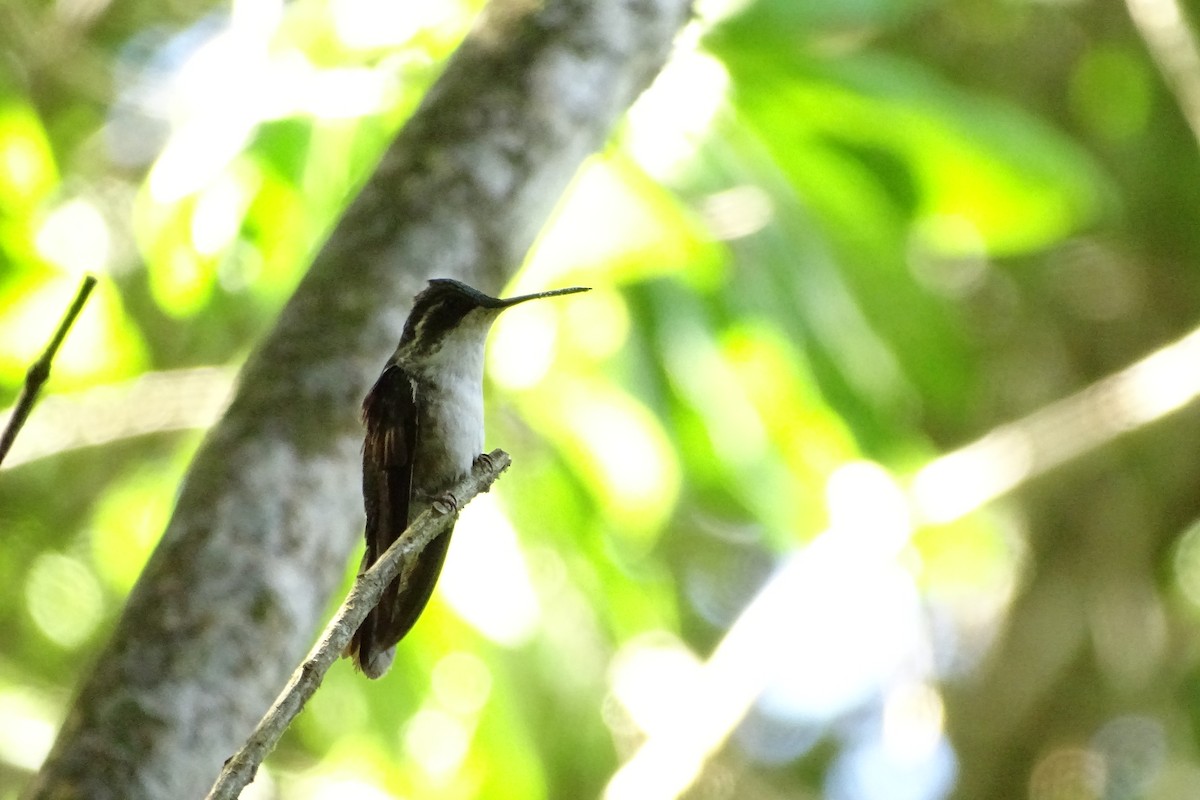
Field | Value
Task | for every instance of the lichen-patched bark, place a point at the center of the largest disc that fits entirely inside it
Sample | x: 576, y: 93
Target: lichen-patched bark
x: 270, y: 510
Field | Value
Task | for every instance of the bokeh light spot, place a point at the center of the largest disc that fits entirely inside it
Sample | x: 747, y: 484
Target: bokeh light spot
x: 27, y: 727
x: 523, y: 346
x: 1187, y: 564
x: 487, y: 584
x: 369, y: 24
x: 75, y: 236
x: 26, y: 159
x: 128, y: 520
x: 1112, y: 92
x: 864, y: 500
x: 64, y: 599
x: 652, y: 677
x: 598, y: 324
x: 624, y: 441
x: 912, y: 721
x: 338, y: 786
x: 1069, y: 773
x: 437, y: 740
x: 669, y: 120
x: 1135, y: 749
x: 217, y: 215
x: 462, y: 682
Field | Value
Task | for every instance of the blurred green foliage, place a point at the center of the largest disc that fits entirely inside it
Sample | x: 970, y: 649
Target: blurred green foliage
x: 832, y: 232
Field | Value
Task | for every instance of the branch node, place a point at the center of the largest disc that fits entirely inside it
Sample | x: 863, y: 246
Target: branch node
x: 39, y: 372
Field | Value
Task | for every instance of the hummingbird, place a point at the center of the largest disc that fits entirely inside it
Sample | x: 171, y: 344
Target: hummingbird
x: 424, y: 433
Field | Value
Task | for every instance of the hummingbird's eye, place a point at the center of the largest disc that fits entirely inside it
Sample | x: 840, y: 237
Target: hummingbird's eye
x: 435, y: 312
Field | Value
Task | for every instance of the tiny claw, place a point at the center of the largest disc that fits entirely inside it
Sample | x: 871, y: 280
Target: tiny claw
x: 445, y: 503
x: 484, y: 461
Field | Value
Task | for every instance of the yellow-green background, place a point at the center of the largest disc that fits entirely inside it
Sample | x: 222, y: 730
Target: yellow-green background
x: 835, y: 242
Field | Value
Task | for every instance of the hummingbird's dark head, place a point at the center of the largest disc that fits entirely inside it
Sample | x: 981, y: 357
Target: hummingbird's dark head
x: 448, y: 311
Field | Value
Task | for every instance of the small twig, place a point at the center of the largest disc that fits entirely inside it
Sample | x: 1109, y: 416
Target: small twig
x: 240, y: 769
x: 40, y: 371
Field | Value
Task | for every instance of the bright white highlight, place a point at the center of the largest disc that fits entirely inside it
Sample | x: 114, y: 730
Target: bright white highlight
x: 486, y: 580
x: 668, y: 121
x: 913, y: 720
x: 827, y: 630
x: 437, y: 740
x: 217, y: 216
x: 865, y: 501
x: 241, y: 77
x: 75, y: 236
x: 652, y: 677
x: 371, y: 24
x: 737, y: 212
x: 28, y: 723
x: 842, y: 619
x: 961, y: 481
x: 338, y: 787
x: 523, y: 346
x: 633, y: 461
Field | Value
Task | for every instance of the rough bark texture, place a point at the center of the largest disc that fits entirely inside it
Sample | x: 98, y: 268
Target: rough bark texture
x: 270, y: 510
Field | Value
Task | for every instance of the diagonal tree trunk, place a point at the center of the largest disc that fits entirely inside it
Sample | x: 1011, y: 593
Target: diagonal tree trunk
x: 269, y: 512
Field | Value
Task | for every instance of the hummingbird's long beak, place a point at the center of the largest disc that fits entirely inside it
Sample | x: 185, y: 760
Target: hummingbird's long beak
x: 508, y: 302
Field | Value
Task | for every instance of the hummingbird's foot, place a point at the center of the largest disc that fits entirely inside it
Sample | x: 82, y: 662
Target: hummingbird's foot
x: 484, y: 461
x: 445, y: 503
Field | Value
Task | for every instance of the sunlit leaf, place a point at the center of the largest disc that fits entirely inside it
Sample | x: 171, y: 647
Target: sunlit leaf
x: 64, y: 599
x: 1021, y: 184
x: 614, y: 218
x: 128, y: 520
x: 27, y: 168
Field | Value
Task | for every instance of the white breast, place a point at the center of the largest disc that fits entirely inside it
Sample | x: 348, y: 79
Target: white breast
x: 450, y: 410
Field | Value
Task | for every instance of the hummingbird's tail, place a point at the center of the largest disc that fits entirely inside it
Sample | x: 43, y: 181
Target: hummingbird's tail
x: 372, y: 663
x: 374, y: 644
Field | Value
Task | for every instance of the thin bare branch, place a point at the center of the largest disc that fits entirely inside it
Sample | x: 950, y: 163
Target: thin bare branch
x: 240, y: 769
x: 40, y: 371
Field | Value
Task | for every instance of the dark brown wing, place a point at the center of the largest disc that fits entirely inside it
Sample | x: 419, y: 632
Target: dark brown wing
x: 390, y: 415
